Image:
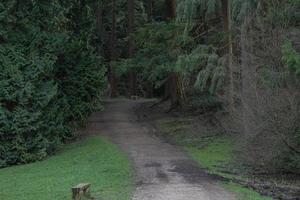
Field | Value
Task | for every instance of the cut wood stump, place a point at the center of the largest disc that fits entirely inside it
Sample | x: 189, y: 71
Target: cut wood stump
x: 134, y: 97
x: 81, y: 191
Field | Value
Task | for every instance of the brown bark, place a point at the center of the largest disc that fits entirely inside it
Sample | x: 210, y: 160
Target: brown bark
x: 171, y: 8
x: 225, y: 15
x: 173, y: 87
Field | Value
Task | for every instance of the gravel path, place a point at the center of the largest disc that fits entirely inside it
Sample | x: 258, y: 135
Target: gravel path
x: 162, y: 171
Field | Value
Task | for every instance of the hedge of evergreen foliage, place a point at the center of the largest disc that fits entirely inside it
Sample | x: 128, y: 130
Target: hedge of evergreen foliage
x: 50, y: 75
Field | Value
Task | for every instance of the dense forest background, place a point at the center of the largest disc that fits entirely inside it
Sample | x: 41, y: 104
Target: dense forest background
x: 236, y: 60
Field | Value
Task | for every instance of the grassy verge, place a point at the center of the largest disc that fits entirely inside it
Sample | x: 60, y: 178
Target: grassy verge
x: 214, y: 156
x: 93, y: 160
x: 212, y: 153
x: 244, y: 193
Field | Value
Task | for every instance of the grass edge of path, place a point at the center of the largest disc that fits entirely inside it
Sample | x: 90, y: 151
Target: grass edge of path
x: 215, y: 152
x: 94, y: 160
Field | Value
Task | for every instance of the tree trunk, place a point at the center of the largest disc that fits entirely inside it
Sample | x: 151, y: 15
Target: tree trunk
x: 226, y: 10
x: 113, y: 53
x: 150, y: 10
x: 149, y: 89
x: 132, y: 82
x: 173, y: 87
x: 171, y: 9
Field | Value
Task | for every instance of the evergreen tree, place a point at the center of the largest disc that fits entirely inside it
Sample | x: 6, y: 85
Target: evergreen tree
x: 50, y: 76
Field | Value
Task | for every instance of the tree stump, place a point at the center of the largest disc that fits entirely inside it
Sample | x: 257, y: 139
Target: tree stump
x: 134, y: 97
x: 81, y: 191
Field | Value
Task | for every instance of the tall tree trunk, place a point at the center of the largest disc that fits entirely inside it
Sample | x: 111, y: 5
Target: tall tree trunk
x: 175, y: 89
x: 171, y: 9
x: 113, y: 53
x: 174, y: 84
x: 132, y: 82
x: 226, y: 10
x: 150, y: 10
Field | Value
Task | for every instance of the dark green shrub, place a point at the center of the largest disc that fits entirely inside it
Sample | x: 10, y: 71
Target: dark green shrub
x: 203, y: 102
x: 50, y: 76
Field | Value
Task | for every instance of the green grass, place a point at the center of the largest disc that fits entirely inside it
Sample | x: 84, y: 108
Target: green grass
x: 244, y: 193
x: 212, y: 153
x: 214, y: 156
x: 93, y: 160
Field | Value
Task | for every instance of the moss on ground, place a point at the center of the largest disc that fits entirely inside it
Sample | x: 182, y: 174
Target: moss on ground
x: 93, y: 160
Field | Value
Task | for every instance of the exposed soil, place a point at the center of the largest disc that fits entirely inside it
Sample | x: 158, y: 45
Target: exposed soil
x: 162, y: 171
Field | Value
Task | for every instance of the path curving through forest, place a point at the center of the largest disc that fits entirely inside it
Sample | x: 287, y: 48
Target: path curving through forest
x: 162, y: 171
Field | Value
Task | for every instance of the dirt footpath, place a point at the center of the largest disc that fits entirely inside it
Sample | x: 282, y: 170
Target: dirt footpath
x: 162, y: 171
